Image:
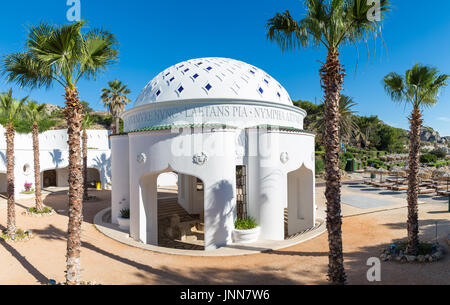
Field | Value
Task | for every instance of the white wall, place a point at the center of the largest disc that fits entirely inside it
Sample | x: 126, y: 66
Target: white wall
x: 120, y: 196
x: 168, y: 179
x: 218, y: 175
x: 54, y: 155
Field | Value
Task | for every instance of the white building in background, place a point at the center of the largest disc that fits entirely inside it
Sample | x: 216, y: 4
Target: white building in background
x: 54, y: 159
x: 205, y: 120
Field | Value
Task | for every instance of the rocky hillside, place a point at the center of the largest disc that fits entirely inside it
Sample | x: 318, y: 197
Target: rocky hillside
x: 430, y: 138
x: 427, y: 134
x: 102, y: 119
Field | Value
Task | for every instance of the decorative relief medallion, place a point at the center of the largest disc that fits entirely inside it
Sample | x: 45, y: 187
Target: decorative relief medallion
x: 142, y: 158
x: 200, y: 159
x: 284, y: 158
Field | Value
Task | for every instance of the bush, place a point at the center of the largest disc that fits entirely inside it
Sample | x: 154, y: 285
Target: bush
x: 245, y: 224
x: 428, y: 158
x: 377, y: 163
x: 125, y: 213
x: 440, y: 153
x: 320, y: 165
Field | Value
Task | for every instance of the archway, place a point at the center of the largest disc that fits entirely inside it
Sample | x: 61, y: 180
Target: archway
x: 181, y: 213
x: 49, y: 178
x: 93, y: 177
x: 299, y: 216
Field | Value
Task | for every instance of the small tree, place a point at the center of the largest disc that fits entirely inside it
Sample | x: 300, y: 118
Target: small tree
x: 419, y: 88
x: 115, y: 100
x: 36, y: 114
x: 10, y: 110
x: 64, y: 55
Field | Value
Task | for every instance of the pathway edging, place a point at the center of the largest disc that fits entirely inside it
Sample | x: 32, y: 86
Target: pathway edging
x: 113, y: 232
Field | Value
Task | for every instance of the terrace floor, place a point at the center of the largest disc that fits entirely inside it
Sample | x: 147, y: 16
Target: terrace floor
x: 366, y: 230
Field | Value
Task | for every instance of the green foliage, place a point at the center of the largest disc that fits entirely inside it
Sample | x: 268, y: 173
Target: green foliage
x: 419, y: 87
x: 439, y: 164
x: 369, y: 133
x: 377, y: 163
x: 424, y: 248
x: 86, y: 107
x: 104, y: 120
x: 20, y: 235
x: 11, y: 109
x: 342, y: 161
x: 45, y: 210
x: 428, y: 158
x: 62, y: 54
x: 125, y: 213
x: 245, y: 224
x: 320, y: 165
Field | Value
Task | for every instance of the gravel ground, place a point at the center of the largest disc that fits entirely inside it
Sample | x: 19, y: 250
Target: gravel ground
x: 109, y: 262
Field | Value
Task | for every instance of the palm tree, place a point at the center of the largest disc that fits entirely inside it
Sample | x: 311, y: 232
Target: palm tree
x: 329, y: 24
x: 10, y: 109
x: 64, y: 55
x: 115, y: 99
x: 88, y: 121
x: 35, y: 114
x: 347, y: 125
x: 420, y: 88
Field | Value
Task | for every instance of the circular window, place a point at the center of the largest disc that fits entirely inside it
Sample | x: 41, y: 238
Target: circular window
x: 27, y: 169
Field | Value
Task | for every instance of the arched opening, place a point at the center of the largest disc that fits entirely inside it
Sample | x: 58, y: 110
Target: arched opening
x: 181, y: 213
x: 299, y: 215
x: 93, y: 177
x: 49, y: 178
x: 168, y: 181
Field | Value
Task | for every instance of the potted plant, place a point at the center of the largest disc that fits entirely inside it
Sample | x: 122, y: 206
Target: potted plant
x: 246, y: 231
x: 124, y: 219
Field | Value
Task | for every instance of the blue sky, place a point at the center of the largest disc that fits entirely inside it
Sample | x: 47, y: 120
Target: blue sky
x: 154, y: 35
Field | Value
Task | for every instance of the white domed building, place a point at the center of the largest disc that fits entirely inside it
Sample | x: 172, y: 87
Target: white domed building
x: 231, y: 134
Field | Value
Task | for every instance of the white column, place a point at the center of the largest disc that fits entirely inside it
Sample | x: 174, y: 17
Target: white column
x: 120, y: 193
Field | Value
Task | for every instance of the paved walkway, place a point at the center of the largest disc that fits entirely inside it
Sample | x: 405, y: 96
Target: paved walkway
x: 109, y: 262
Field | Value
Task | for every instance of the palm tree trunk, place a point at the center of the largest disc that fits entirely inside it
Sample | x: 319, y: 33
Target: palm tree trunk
x: 11, y: 214
x: 74, y: 116
x: 332, y: 75
x: 413, y: 184
x: 117, y: 125
x: 37, y: 168
x: 85, y: 167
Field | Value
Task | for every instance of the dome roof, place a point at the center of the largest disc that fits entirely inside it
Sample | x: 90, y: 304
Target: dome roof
x: 213, y: 78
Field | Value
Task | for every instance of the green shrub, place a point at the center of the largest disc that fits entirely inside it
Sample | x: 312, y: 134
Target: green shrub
x: 320, y: 165
x: 428, y: 158
x: 245, y: 224
x: 45, y: 210
x: 440, y: 153
x: 377, y: 163
x: 125, y: 213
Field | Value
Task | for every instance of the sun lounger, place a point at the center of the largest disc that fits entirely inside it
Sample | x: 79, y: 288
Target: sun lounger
x: 443, y: 193
x: 398, y: 188
x: 426, y: 191
x: 380, y: 184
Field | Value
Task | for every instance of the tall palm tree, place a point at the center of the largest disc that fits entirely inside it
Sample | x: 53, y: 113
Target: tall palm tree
x: 35, y: 114
x: 87, y: 123
x: 347, y: 125
x: 329, y: 24
x: 10, y: 109
x: 115, y: 99
x: 419, y: 88
x: 64, y: 55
